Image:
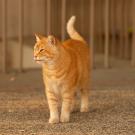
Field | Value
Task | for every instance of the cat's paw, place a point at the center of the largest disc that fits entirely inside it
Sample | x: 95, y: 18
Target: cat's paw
x: 84, y: 109
x: 53, y: 120
x: 64, y: 119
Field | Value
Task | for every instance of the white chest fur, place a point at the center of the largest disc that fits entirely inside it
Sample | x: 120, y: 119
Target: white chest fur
x: 55, y: 86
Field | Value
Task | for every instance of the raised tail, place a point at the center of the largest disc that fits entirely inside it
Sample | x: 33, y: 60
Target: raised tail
x: 72, y: 31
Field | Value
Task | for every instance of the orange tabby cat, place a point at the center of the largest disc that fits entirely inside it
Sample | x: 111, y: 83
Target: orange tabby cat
x: 65, y: 71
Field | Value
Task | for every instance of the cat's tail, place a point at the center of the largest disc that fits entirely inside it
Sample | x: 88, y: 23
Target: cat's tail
x: 72, y: 31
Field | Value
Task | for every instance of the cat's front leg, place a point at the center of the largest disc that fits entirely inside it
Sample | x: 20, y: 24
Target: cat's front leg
x: 53, y: 106
x: 66, y: 107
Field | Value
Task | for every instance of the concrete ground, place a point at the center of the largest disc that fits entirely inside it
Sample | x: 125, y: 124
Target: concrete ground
x: 24, y: 110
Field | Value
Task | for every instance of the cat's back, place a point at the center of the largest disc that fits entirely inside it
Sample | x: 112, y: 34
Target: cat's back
x: 79, y: 52
x: 77, y: 46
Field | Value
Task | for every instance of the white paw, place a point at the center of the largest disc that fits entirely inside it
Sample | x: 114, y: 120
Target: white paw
x: 53, y: 120
x: 64, y: 118
x: 84, y: 109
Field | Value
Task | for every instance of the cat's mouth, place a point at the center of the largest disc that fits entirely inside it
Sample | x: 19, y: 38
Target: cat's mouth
x: 39, y: 60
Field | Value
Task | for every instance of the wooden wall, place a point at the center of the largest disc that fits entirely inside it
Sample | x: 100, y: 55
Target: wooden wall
x: 34, y: 18
x: 35, y: 21
x: 35, y: 15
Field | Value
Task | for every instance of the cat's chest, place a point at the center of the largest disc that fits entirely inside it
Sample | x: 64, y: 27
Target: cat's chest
x: 55, y: 85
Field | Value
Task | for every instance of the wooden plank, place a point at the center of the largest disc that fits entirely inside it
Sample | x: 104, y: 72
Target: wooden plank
x: 4, y: 34
x: 117, y: 24
x: 106, y: 47
x: 100, y: 32
x: 121, y: 25
x: 82, y: 16
x: 48, y: 17
x: 126, y: 41
x: 95, y: 47
x: 97, y: 28
x: 63, y: 20
x: 20, y: 34
x: 133, y: 39
x: 45, y: 16
x: 115, y: 32
x: 91, y: 39
x: 113, y: 46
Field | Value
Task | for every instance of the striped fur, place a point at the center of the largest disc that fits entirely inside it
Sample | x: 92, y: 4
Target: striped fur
x: 66, y: 70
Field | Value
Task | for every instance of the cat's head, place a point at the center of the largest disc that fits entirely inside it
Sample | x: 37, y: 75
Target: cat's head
x: 46, y: 49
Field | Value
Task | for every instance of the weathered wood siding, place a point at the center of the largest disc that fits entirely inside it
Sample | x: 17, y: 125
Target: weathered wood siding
x: 111, y: 24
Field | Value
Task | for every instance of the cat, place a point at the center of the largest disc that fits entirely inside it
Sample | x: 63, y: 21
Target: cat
x: 66, y: 70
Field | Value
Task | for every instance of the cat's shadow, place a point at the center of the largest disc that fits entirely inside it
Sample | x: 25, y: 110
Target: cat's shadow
x: 96, y: 109
x: 77, y: 116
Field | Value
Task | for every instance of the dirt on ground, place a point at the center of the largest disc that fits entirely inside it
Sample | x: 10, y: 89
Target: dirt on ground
x: 24, y: 109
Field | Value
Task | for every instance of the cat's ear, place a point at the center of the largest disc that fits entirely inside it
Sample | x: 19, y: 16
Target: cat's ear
x: 38, y: 37
x: 51, y: 40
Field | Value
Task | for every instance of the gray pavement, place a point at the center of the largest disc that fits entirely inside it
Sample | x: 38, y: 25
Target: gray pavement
x: 24, y: 110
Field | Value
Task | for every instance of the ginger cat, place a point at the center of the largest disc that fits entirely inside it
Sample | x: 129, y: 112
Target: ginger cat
x: 66, y: 70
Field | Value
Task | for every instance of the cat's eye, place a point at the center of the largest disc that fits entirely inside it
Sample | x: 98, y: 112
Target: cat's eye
x: 41, y: 50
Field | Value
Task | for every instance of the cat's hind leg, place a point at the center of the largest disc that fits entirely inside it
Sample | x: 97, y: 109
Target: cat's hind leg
x: 73, y: 103
x: 84, y: 100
